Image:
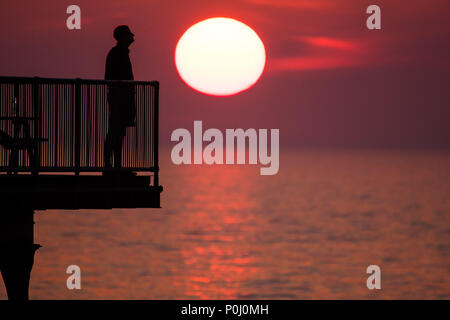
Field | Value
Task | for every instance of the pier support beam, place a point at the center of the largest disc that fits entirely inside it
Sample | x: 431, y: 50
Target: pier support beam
x: 17, y: 249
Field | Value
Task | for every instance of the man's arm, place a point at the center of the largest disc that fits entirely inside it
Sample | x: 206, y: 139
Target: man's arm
x: 108, y: 69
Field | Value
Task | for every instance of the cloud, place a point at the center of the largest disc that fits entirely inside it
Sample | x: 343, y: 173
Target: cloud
x: 331, y: 43
x: 324, y: 53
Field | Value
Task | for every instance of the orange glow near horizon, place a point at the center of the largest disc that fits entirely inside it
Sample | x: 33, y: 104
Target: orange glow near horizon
x: 220, y: 57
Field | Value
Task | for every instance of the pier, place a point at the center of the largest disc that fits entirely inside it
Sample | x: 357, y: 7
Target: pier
x: 52, y: 134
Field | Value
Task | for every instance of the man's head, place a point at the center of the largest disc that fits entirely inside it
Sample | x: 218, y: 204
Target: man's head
x: 123, y: 35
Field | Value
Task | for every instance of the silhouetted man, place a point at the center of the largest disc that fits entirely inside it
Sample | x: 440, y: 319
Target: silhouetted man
x: 122, y: 109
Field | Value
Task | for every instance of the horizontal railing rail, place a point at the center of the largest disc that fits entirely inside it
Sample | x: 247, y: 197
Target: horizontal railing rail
x: 60, y: 125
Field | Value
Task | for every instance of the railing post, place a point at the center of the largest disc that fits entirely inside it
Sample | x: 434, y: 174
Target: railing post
x: 37, y: 122
x: 156, y: 136
x: 77, y: 125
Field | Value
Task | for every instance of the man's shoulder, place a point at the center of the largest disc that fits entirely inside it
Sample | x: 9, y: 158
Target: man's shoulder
x: 117, y: 51
x: 112, y: 51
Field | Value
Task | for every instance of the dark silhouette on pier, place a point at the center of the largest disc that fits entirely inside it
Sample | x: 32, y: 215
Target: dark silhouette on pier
x: 55, y: 136
x: 122, y: 110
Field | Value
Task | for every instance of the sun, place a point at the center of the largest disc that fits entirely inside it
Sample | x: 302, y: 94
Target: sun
x: 220, y: 56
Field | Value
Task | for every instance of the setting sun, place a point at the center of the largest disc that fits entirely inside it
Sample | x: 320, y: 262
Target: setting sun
x: 220, y: 56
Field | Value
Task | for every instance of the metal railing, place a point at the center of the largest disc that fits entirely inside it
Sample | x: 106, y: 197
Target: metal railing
x: 60, y: 125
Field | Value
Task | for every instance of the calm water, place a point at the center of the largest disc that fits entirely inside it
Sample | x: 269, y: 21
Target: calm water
x: 226, y: 232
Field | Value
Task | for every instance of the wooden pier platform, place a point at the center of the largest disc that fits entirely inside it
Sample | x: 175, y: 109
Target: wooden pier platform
x: 71, y: 192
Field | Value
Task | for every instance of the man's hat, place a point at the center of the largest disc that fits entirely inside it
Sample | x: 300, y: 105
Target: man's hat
x: 121, y: 31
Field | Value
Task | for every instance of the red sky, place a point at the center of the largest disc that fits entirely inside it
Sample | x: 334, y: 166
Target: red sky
x: 328, y: 81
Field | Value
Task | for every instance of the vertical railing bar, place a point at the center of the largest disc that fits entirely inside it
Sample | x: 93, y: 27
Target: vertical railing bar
x: 151, y: 120
x: 15, y: 125
x: 88, y: 119
x: 137, y: 106
x: 36, y: 108
x: 56, y: 127
x: 143, y: 122
x: 156, y: 135
x: 2, y: 104
x: 47, y: 128
x: 68, y: 133
x: 100, y: 93
x: 95, y: 117
x: 144, y: 130
x: 77, y: 107
x: 65, y: 127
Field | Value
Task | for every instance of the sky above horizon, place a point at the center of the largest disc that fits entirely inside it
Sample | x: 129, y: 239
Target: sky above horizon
x: 328, y: 81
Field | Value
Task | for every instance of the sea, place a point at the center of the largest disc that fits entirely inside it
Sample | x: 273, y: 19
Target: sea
x: 227, y: 232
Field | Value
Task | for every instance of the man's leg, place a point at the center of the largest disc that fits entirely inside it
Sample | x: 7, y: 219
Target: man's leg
x: 107, y: 149
x: 118, y: 142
